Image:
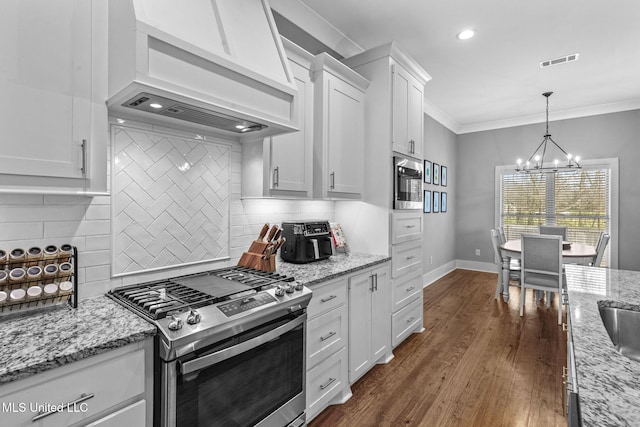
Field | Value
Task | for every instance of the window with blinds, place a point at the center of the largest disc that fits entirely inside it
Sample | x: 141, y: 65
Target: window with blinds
x: 580, y: 200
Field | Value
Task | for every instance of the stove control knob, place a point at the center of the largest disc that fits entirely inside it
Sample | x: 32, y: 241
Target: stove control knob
x: 175, y: 323
x: 299, y: 286
x: 193, y: 317
x: 289, y: 289
x: 279, y: 291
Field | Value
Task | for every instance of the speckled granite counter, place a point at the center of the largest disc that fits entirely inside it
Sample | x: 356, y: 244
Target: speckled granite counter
x: 608, y: 383
x: 33, y: 344
x: 337, y: 265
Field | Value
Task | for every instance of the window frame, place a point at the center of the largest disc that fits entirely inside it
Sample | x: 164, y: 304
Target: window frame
x: 611, y: 163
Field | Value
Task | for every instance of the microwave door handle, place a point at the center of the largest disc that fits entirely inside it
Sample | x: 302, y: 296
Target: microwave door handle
x: 227, y: 353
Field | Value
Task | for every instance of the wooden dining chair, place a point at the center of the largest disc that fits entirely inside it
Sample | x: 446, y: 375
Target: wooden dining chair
x: 600, y: 247
x: 554, y: 230
x: 514, y: 270
x: 541, y: 267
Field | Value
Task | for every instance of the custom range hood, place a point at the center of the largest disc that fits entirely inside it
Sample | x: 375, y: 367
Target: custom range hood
x: 210, y: 65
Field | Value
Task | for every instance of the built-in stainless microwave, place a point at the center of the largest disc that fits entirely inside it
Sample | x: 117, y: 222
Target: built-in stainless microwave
x: 407, y: 183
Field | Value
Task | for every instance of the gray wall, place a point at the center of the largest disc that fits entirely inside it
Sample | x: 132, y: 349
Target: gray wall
x: 440, y: 228
x: 603, y: 136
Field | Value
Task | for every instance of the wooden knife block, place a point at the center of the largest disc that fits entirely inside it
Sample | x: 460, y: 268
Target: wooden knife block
x: 254, y: 258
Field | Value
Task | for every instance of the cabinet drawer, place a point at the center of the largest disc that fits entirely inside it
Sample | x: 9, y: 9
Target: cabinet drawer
x: 132, y: 415
x: 325, y: 382
x: 327, y: 296
x: 406, y: 258
x: 406, y: 226
x: 406, y: 290
x: 406, y: 321
x: 326, y: 334
x: 110, y: 381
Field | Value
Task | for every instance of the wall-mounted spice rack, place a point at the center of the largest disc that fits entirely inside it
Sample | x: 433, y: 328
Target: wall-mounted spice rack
x: 38, y: 278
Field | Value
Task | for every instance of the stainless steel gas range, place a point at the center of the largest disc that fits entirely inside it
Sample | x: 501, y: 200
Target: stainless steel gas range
x: 230, y: 349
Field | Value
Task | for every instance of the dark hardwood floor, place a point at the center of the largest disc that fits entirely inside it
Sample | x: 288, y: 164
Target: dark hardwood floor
x: 478, y: 363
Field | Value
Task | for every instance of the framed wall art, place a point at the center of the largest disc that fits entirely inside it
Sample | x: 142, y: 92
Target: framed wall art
x: 427, y: 172
x: 427, y: 201
x: 436, y: 174
x: 443, y: 202
x: 443, y: 176
x: 436, y: 201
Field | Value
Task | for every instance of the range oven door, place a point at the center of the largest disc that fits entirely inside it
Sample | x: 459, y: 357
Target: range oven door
x: 256, y: 378
x: 407, y: 183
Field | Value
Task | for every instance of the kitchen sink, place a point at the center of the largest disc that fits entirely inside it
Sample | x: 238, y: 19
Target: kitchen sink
x: 623, y: 327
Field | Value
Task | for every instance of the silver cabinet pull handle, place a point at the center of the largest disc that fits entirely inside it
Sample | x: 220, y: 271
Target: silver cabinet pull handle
x: 409, y: 258
x: 333, y: 180
x: 329, y: 298
x: 276, y: 176
x: 376, y: 280
x: 326, y: 337
x: 410, y: 226
x: 411, y: 319
x: 327, y: 384
x: 83, y: 169
x: 58, y: 408
x: 411, y: 288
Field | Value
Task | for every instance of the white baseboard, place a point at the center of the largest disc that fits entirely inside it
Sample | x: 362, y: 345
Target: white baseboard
x: 438, y: 272
x: 435, y: 274
x: 487, y: 267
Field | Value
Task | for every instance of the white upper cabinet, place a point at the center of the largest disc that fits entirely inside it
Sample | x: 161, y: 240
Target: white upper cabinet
x: 407, y: 112
x: 339, y: 95
x: 53, y: 81
x: 281, y: 166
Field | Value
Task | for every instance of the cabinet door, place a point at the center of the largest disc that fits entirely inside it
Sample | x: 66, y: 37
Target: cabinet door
x: 416, y: 117
x: 400, y: 111
x: 407, y: 112
x: 360, y: 290
x: 291, y: 153
x: 45, y: 81
x: 345, y: 137
x: 381, y: 312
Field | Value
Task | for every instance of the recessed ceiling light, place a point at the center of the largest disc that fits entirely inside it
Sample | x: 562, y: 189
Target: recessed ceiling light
x: 155, y: 105
x: 466, y: 34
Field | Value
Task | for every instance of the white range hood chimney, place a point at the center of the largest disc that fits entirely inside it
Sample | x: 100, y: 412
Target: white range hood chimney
x: 213, y: 65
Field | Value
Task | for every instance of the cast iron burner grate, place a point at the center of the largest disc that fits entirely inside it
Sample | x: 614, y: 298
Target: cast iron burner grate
x: 154, y: 300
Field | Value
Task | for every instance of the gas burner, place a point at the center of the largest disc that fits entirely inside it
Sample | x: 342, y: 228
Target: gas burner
x: 156, y: 300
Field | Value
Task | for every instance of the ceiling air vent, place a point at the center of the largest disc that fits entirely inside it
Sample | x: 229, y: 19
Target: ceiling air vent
x: 561, y: 60
x: 179, y: 110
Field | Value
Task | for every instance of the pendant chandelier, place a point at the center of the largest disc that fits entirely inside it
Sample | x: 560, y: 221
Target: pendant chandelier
x: 537, y: 162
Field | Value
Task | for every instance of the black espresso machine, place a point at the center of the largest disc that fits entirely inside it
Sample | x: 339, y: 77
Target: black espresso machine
x: 306, y: 241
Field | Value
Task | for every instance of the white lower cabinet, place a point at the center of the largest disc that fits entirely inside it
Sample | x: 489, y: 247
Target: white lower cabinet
x: 326, y: 382
x: 369, y: 320
x: 109, y: 389
x: 406, y: 321
x: 132, y: 415
x: 327, y: 340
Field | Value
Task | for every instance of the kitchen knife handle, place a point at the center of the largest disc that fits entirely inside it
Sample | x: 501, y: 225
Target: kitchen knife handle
x: 263, y: 232
x: 277, y: 235
x: 272, y: 232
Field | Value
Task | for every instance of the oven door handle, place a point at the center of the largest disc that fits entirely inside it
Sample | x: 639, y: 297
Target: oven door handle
x: 227, y: 353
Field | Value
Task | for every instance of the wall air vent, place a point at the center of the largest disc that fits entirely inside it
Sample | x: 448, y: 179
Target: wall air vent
x: 179, y: 110
x: 561, y: 60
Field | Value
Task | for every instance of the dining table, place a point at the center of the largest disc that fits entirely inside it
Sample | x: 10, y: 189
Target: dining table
x: 572, y: 253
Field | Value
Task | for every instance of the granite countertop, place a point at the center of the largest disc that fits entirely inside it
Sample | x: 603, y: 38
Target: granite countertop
x: 608, y: 382
x: 337, y: 265
x: 40, y: 341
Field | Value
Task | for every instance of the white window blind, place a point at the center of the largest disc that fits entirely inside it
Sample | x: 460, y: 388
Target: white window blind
x: 580, y: 200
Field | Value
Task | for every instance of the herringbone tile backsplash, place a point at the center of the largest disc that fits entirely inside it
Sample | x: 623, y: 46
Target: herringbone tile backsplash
x: 172, y: 201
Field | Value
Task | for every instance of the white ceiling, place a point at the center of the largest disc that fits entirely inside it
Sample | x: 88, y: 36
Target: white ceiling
x: 494, y: 80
